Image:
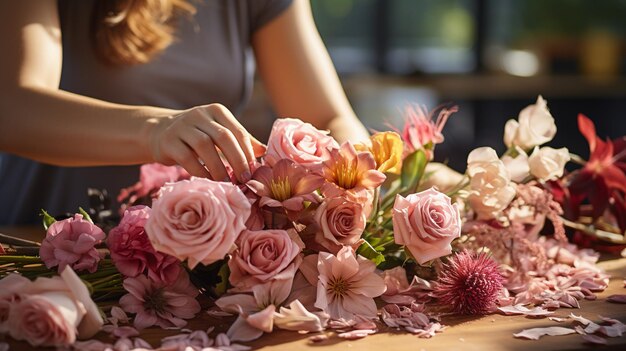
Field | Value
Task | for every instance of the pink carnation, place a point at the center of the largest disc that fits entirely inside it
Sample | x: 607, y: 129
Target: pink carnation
x: 197, y: 219
x: 72, y: 242
x: 300, y: 142
x: 132, y: 252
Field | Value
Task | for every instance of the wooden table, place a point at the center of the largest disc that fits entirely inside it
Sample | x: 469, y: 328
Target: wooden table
x: 492, y: 332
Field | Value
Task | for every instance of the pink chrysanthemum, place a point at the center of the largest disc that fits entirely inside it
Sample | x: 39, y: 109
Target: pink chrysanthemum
x: 469, y: 284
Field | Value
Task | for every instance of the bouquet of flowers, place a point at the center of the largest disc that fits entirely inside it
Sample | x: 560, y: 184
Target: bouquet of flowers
x: 324, y: 234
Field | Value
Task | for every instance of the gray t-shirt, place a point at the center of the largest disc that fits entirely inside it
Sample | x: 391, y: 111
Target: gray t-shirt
x: 210, y: 61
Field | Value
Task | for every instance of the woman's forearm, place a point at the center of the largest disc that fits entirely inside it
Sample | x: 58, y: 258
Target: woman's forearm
x: 62, y: 128
x: 347, y: 128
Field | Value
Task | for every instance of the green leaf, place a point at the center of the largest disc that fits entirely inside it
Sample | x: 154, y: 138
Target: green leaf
x: 47, y: 219
x: 413, y: 168
x: 86, y: 215
x: 223, y: 273
x: 366, y: 250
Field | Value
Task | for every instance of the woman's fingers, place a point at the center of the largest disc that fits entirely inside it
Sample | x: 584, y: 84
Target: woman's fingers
x: 205, y: 149
x: 258, y: 147
x: 182, y: 154
x: 223, y: 116
x: 228, y: 144
x: 199, y: 133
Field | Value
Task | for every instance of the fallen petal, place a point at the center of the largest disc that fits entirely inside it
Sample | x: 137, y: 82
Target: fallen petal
x: 356, y: 334
x: 536, y: 333
x: 618, y: 298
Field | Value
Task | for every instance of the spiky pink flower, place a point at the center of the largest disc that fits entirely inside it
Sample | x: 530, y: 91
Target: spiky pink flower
x: 421, y: 131
x: 469, y: 284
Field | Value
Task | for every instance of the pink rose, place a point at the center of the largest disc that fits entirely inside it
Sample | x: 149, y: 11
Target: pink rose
x: 264, y: 255
x: 197, y: 219
x: 426, y: 223
x: 10, y: 288
x: 47, y: 319
x: 341, y: 220
x: 132, y: 252
x: 300, y: 142
x: 72, y: 242
x: 51, y: 311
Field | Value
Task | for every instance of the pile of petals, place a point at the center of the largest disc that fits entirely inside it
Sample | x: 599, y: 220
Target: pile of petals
x: 591, y: 332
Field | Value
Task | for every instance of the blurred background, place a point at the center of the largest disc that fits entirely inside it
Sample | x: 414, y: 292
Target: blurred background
x: 489, y: 57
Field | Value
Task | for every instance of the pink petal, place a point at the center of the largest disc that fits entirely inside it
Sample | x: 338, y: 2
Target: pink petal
x: 371, y: 285
x: 618, y: 298
x: 536, y: 333
x: 356, y: 334
x: 520, y: 309
x: 240, y: 330
x: 263, y: 320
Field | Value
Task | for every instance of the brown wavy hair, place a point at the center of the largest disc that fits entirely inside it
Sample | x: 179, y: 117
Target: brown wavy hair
x: 127, y: 32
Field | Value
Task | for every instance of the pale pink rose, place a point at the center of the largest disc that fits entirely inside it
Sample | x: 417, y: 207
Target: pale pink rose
x: 158, y: 304
x: 133, y: 254
x: 491, y: 189
x: 72, y: 242
x: 548, y: 163
x: 51, y: 311
x: 535, y: 127
x: 341, y: 220
x: 300, y: 142
x: 10, y: 288
x: 346, y: 284
x: 264, y: 255
x: 197, y: 219
x: 46, y: 319
x: 426, y: 223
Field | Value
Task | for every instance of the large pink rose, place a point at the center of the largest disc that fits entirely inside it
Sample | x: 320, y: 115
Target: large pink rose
x: 264, y: 255
x: 72, y: 242
x: 197, y: 219
x: 426, y: 223
x: 132, y: 252
x: 51, y: 311
x: 300, y: 142
x: 47, y: 319
x: 341, y: 220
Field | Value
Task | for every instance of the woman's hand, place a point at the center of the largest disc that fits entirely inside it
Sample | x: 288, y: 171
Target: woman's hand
x: 193, y: 137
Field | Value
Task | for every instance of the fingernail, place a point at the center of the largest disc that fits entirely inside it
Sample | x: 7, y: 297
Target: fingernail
x: 246, y: 176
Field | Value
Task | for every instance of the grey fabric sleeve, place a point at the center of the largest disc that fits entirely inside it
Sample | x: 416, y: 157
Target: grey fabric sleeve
x: 263, y: 11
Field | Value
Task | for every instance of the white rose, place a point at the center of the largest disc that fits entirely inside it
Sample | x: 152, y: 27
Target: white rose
x: 491, y: 189
x: 535, y: 126
x: 548, y: 163
x: 517, y: 166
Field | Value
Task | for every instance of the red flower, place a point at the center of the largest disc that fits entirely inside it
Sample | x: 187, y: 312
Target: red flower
x: 602, y: 180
